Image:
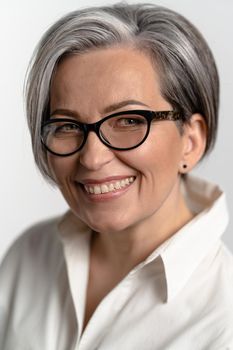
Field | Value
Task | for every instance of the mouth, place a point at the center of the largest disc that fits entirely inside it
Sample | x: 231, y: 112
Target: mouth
x: 108, y: 187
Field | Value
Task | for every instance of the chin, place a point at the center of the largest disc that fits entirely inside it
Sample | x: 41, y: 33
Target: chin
x: 107, y: 226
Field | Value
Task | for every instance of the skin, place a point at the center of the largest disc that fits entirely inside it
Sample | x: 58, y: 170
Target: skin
x: 128, y: 226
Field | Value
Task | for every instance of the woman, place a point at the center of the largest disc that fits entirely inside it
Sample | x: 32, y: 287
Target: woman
x: 122, y: 103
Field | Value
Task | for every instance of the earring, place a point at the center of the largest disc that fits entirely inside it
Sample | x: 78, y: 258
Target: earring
x: 185, y: 166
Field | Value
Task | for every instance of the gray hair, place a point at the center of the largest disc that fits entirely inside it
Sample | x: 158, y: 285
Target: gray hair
x: 188, y: 74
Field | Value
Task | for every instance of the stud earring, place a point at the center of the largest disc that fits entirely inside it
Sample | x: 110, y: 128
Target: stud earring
x: 185, y: 166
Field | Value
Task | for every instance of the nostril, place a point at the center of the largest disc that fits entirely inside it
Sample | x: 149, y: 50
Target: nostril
x: 95, y: 154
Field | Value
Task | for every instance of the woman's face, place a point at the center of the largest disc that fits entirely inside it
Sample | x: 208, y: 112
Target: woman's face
x: 143, y: 183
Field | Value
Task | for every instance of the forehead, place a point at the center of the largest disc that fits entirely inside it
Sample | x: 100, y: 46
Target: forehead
x: 103, y: 77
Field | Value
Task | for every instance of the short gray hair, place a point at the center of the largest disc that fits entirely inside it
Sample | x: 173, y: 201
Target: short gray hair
x: 188, y: 74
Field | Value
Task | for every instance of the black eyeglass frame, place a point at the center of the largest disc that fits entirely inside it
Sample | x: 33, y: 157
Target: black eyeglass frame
x: 95, y: 127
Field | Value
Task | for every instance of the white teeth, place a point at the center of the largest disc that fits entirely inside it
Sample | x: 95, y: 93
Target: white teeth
x: 123, y: 183
x: 97, y: 189
x: 117, y: 185
x: 111, y: 187
x: 105, y: 188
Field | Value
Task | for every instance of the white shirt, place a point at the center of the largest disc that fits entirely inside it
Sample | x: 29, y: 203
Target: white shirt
x: 179, y: 298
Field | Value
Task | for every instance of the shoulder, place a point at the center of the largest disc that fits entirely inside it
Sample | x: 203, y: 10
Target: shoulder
x: 32, y: 274
x: 37, y: 250
x: 35, y: 240
x: 218, y: 274
x: 221, y: 297
x: 224, y: 278
x: 224, y: 266
x: 209, y: 297
x: 227, y: 255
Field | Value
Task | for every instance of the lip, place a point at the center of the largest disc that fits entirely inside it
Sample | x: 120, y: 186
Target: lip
x: 108, y: 179
x: 104, y: 196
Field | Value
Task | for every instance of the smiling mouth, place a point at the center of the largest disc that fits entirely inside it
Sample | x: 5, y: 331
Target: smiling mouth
x: 112, y: 186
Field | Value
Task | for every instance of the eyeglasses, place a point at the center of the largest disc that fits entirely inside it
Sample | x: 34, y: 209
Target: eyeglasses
x: 119, y: 131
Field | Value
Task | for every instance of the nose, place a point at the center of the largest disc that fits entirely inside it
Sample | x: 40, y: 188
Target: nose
x: 94, y: 154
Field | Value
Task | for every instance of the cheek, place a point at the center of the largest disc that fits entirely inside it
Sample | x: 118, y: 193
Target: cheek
x: 61, y: 168
x: 158, y: 155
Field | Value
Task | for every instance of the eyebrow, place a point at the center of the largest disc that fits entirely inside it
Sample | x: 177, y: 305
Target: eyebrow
x: 121, y: 104
x: 106, y: 110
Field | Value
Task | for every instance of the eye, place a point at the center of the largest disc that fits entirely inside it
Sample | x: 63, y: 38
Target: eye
x: 128, y: 121
x: 65, y: 129
x: 68, y: 127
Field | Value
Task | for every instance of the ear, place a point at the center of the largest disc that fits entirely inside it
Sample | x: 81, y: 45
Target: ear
x: 194, y: 142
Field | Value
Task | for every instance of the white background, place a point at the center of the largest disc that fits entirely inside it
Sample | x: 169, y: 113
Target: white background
x: 24, y: 196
